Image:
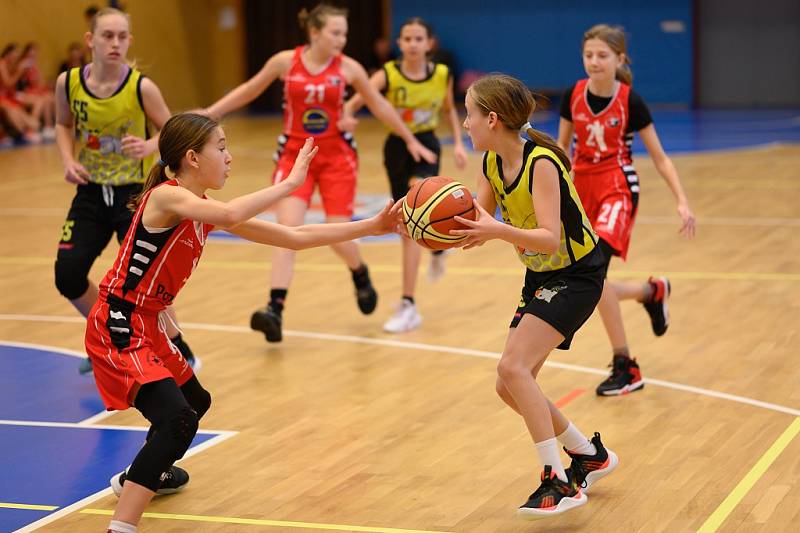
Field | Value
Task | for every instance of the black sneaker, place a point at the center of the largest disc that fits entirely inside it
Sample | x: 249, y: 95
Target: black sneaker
x: 552, y: 497
x: 85, y: 366
x: 657, y: 306
x: 587, y: 469
x: 366, y: 297
x: 172, y: 481
x: 625, y: 377
x: 268, y: 322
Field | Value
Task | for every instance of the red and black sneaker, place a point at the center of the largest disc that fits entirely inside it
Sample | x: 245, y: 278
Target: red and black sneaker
x: 625, y: 377
x: 552, y: 497
x: 656, y: 306
x: 587, y: 469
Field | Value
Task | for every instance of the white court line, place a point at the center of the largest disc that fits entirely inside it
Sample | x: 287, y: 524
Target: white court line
x: 453, y: 350
x: 221, y: 437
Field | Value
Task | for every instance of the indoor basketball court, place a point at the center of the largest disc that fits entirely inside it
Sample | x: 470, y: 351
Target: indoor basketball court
x: 343, y: 427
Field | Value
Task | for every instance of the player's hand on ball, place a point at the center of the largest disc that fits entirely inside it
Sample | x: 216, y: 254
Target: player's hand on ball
x: 300, y: 169
x: 480, y: 230
x: 390, y: 219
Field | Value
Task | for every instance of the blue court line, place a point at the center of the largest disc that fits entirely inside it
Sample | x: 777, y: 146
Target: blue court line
x: 49, y: 454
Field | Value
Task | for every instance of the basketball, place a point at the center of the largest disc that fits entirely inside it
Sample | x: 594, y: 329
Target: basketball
x: 429, y: 208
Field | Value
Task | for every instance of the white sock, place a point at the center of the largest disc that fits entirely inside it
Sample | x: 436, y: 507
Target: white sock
x: 576, y: 442
x: 117, y: 526
x: 550, y: 455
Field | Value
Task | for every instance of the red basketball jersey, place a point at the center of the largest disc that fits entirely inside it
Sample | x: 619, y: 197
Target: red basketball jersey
x: 151, y: 267
x: 312, y: 103
x: 600, y: 141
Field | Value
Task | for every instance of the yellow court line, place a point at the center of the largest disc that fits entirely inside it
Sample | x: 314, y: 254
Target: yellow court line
x: 465, y: 271
x: 5, y: 505
x: 738, y: 493
x: 257, y: 522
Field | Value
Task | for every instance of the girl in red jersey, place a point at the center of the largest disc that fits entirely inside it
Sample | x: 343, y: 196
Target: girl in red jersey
x: 314, y: 79
x: 134, y: 362
x: 603, y: 112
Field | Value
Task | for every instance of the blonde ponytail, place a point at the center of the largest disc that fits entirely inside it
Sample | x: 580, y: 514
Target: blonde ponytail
x: 544, y: 140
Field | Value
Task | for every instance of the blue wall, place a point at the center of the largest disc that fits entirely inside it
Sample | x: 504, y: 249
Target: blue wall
x: 540, y: 42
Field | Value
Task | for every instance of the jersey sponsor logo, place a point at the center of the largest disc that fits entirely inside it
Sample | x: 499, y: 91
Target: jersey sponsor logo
x: 117, y: 315
x: 299, y: 78
x: 581, y: 117
x: 334, y: 81
x: 188, y: 242
x: 315, y: 120
x: 547, y: 294
x: 527, y: 253
x: 612, y: 122
x: 164, y: 295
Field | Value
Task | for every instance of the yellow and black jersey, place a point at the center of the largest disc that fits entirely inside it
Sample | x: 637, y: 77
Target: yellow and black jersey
x: 516, y: 205
x: 418, y: 102
x: 100, y: 125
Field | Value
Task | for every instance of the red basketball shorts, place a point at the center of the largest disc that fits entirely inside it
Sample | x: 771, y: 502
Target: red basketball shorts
x: 128, y: 349
x: 334, y: 170
x: 610, y: 199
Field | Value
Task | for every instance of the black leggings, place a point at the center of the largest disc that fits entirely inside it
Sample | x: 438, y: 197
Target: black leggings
x: 174, y: 414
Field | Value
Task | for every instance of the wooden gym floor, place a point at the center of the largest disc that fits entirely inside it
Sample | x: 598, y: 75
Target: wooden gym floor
x: 344, y: 427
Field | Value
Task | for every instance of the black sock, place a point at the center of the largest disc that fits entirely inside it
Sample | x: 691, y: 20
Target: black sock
x: 182, y: 347
x: 361, y: 277
x: 622, y: 352
x: 276, y: 299
x: 409, y: 299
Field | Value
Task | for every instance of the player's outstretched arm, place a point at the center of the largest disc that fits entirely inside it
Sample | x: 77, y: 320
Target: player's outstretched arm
x: 313, y: 235
x: 168, y: 205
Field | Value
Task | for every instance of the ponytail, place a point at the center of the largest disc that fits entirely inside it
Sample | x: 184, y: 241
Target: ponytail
x: 156, y: 176
x: 544, y: 140
x: 624, y: 72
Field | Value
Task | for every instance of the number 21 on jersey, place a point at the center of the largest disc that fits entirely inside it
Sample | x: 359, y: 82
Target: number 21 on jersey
x: 315, y: 93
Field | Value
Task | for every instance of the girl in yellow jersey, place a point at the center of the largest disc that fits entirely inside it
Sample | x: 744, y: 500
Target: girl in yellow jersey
x: 544, y: 219
x: 419, y: 90
x: 111, y: 113
x: 103, y: 110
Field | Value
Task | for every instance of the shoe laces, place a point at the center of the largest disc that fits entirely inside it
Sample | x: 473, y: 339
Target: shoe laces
x: 547, y: 485
x: 576, y: 471
x: 619, y: 366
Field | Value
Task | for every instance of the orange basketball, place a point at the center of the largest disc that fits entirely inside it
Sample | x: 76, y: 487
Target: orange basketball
x: 429, y: 208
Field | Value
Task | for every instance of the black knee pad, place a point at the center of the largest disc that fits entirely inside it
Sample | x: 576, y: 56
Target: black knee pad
x: 181, y: 428
x: 72, y: 279
x: 197, y: 397
x: 202, y: 404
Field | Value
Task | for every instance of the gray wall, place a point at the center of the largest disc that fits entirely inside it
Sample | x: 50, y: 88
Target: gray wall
x: 748, y: 53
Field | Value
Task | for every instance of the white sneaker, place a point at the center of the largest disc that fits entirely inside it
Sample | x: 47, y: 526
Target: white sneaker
x: 48, y: 134
x: 405, y: 318
x: 437, y: 267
